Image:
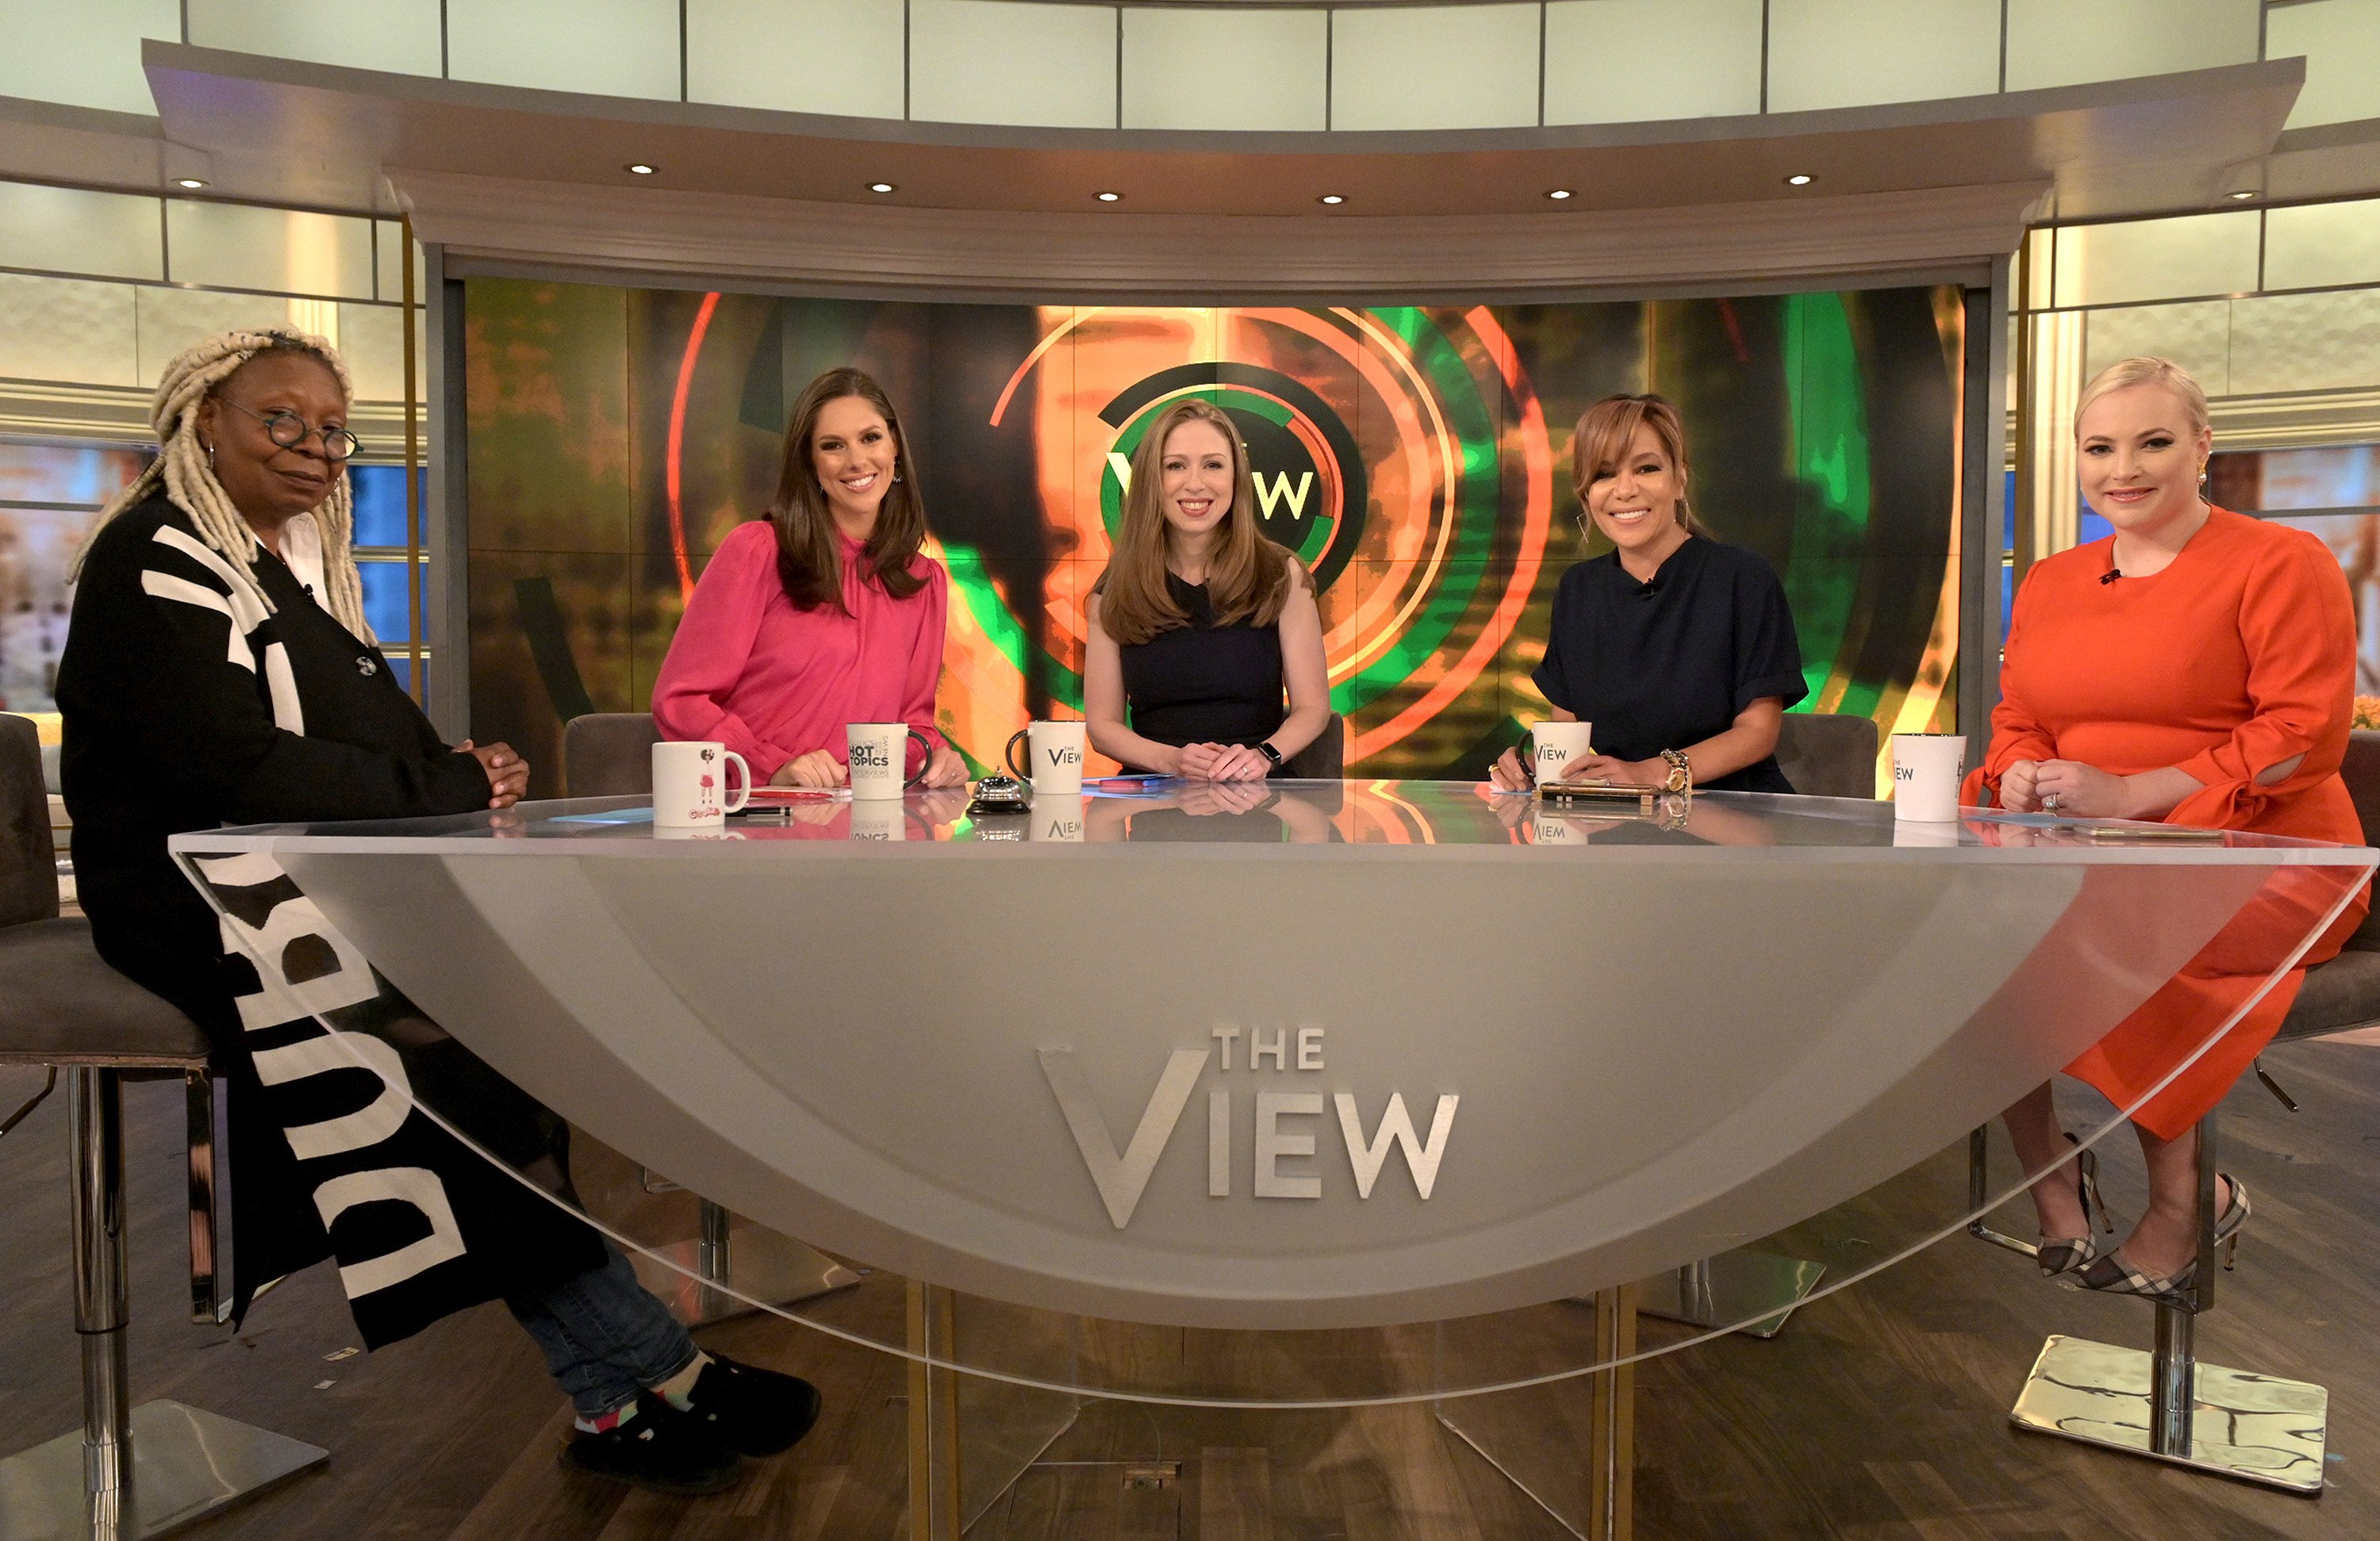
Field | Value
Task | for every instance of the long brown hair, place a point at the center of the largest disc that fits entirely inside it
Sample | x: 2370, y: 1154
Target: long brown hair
x: 810, y: 562
x: 1606, y: 430
x: 1248, y: 574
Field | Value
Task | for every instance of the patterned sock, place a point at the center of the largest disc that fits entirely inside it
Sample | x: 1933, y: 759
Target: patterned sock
x: 678, y: 1390
x: 608, y: 1422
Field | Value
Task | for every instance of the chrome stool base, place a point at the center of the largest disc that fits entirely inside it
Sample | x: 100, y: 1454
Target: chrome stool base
x: 1759, y: 1289
x: 186, y: 1463
x: 2254, y: 1427
x: 756, y: 1264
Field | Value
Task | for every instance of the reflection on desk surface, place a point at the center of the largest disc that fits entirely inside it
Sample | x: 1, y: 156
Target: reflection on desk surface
x: 1309, y: 813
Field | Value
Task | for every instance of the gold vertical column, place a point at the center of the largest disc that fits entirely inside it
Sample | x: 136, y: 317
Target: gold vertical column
x: 2049, y: 383
x: 933, y: 1418
x: 1611, y: 1421
x: 412, y: 470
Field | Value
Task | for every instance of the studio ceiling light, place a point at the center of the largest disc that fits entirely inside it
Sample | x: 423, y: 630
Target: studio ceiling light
x: 1558, y: 194
x: 1799, y: 179
x: 192, y: 182
x: 2244, y: 195
x: 640, y: 168
x: 1330, y: 197
x: 1109, y: 197
x: 882, y: 187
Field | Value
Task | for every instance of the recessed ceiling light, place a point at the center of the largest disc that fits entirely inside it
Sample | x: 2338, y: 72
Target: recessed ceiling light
x: 1558, y: 194
x: 881, y: 187
x: 1109, y: 197
x: 2244, y: 195
x: 192, y: 182
x: 1330, y: 197
x: 640, y: 168
x: 1799, y: 179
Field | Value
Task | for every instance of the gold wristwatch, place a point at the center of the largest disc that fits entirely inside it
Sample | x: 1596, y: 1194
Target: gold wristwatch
x: 1682, y: 774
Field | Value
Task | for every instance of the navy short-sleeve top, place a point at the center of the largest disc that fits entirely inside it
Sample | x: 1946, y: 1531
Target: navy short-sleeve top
x: 1666, y: 664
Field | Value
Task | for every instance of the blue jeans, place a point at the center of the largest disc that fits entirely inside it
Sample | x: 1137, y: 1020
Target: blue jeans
x: 605, y: 1337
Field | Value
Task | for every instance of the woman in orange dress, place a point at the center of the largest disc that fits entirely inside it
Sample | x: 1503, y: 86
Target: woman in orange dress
x: 2196, y: 667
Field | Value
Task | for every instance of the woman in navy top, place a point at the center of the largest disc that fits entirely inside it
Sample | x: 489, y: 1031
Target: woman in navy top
x: 1200, y: 627
x: 1671, y: 642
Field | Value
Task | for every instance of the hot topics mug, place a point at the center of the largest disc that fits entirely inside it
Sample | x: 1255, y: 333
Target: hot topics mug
x: 878, y: 753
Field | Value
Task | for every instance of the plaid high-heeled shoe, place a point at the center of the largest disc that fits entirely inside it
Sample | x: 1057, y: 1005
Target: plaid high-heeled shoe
x: 2062, y: 1260
x: 2115, y: 1275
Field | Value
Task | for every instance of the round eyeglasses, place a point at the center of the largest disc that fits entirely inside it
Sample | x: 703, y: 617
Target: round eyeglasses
x: 289, y: 430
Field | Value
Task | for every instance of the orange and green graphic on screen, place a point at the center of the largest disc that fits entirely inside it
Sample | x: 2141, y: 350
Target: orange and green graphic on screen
x: 1416, y: 458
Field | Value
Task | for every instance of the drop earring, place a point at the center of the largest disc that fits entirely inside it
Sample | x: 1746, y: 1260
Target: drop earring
x: 896, y: 473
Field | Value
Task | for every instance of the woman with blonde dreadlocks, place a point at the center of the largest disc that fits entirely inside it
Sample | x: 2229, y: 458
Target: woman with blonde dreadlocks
x: 218, y: 671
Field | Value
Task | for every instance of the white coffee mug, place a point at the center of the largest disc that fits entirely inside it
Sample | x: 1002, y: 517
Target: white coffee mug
x: 878, y: 758
x: 1554, y: 745
x: 1058, y: 816
x: 689, y: 784
x: 1927, y: 770
x: 1053, y: 756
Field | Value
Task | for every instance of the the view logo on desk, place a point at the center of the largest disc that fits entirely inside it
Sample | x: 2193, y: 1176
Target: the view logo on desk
x: 1122, y: 1176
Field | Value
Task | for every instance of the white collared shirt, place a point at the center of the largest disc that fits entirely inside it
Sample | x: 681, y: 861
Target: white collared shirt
x: 301, y: 548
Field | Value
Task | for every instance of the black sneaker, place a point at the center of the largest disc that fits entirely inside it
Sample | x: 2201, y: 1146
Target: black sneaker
x: 755, y: 1411
x: 660, y: 1449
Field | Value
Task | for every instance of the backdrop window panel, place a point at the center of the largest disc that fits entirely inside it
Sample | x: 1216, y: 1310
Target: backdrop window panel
x: 1435, y: 66
x: 999, y: 61
x: 2323, y: 245
x: 1627, y: 61
x: 838, y: 56
x: 1858, y: 52
x: 70, y: 230
x: 603, y: 47
x: 232, y: 246
x: 2354, y: 539
x: 401, y: 36
x: 2067, y: 42
x: 2326, y: 478
x: 384, y: 600
x: 2157, y: 259
x: 2339, y: 40
x: 85, y: 52
x: 1274, y: 74
x: 64, y: 329
x: 50, y: 496
x: 380, y: 503
x: 1412, y: 457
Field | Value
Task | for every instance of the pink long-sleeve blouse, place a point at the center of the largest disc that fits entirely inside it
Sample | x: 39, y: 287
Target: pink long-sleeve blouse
x: 773, y: 682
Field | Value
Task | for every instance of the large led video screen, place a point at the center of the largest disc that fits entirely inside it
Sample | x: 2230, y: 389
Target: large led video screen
x: 1416, y: 457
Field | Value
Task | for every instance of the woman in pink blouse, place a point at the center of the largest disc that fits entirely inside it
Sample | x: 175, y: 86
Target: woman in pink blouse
x: 824, y: 614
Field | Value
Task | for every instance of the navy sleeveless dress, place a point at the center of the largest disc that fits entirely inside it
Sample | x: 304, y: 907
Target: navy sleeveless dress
x: 1202, y: 683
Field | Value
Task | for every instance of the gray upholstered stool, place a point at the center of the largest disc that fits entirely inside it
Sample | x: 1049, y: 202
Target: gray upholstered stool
x: 2260, y: 1429
x: 609, y: 754
x: 132, y: 1471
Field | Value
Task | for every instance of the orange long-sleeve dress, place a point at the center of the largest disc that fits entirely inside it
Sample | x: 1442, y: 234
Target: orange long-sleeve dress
x: 2236, y: 657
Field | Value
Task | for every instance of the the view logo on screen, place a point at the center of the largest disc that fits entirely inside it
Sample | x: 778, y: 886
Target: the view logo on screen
x: 1283, y: 1143
x: 1311, y: 487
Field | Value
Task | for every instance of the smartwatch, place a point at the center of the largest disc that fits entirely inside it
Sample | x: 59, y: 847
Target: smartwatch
x: 1271, y: 755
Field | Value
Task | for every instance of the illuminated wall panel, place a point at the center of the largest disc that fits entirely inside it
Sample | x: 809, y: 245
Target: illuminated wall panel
x: 85, y: 52
x: 2066, y: 43
x: 401, y: 36
x: 838, y: 56
x: 67, y: 328
x: 1857, y: 53
x: 1226, y: 69
x: 68, y: 230
x: 2196, y: 335
x: 1414, y: 456
x: 608, y: 47
x: 2156, y: 259
x: 2322, y: 245
x: 1629, y: 61
x: 1435, y: 66
x: 992, y: 61
x: 234, y: 246
x: 2341, y: 42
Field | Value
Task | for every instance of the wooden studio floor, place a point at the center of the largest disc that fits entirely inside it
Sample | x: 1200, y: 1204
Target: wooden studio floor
x: 1880, y: 1411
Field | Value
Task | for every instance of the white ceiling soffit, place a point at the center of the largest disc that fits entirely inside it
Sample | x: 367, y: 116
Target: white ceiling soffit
x: 539, y: 174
